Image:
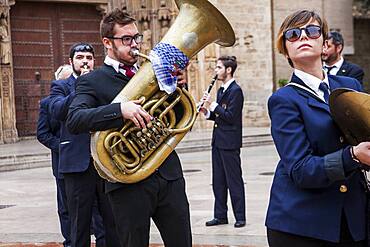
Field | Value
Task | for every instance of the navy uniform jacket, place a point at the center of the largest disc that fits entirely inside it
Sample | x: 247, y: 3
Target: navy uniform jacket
x: 351, y: 70
x: 227, y: 131
x: 48, y: 134
x: 306, y: 198
x: 74, y: 149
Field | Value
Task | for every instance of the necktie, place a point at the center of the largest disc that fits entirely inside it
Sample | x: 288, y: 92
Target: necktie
x: 220, y: 92
x: 325, y: 88
x: 329, y: 68
x: 129, y: 70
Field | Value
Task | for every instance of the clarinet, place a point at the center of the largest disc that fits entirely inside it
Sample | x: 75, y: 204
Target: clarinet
x: 214, y: 79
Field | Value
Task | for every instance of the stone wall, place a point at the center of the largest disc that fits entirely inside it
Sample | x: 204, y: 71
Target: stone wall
x: 362, y: 51
x: 251, y: 21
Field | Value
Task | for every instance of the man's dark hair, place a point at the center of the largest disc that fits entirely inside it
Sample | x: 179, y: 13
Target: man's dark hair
x: 81, y: 46
x: 114, y: 17
x: 229, y: 61
x: 337, y: 38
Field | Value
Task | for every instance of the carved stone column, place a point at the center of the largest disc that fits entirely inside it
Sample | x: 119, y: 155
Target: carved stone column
x: 8, y: 131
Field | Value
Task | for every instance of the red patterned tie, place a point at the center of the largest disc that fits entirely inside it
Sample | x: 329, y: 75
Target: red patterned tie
x: 129, y: 70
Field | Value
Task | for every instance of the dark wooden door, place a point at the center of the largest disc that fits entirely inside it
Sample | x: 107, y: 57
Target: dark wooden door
x: 41, y: 36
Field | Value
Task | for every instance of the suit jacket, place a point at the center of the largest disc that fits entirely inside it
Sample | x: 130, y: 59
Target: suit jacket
x: 306, y: 197
x: 351, y: 70
x: 48, y: 133
x: 73, y: 149
x: 227, y: 130
x: 91, y: 110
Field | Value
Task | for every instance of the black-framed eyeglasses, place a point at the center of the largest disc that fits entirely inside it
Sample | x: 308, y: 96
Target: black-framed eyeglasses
x: 127, y: 39
x: 83, y: 48
x: 312, y: 31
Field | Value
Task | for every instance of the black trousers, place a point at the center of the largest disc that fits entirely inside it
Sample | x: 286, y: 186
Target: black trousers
x: 227, y: 175
x: 82, y: 189
x: 282, y: 239
x: 65, y: 224
x: 164, y: 201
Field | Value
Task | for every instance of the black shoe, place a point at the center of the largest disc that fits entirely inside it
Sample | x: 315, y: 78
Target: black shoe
x: 239, y: 223
x: 215, y: 222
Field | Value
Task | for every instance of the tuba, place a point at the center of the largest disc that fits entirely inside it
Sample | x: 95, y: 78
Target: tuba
x: 130, y: 154
x: 351, y: 112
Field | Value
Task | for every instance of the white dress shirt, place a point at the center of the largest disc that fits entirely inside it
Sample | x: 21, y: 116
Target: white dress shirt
x: 335, y: 66
x: 115, y: 64
x: 312, y: 82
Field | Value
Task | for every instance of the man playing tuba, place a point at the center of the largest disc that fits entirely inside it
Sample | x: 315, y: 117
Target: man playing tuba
x: 162, y: 195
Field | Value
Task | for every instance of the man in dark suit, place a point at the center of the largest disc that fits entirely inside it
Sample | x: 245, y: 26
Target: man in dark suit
x: 161, y: 196
x: 48, y: 133
x: 334, y: 63
x: 226, y: 112
x: 83, y: 185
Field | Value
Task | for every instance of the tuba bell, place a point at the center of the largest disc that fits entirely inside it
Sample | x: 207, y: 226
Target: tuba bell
x: 131, y: 154
x: 351, y: 112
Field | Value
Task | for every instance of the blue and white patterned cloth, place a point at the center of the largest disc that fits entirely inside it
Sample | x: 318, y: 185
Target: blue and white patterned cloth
x: 166, y: 59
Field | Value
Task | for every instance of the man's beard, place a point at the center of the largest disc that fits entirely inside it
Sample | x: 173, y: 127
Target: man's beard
x: 117, y: 56
x: 331, y: 58
x: 78, y: 73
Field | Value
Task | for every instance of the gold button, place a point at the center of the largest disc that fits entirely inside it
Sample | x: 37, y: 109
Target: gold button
x: 215, y: 125
x: 343, y: 188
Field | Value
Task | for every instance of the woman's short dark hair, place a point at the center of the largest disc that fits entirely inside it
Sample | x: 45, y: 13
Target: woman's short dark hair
x: 298, y: 19
x: 114, y: 17
x: 229, y: 61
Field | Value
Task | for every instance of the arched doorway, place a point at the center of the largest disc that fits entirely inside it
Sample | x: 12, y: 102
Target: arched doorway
x: 41, y: 35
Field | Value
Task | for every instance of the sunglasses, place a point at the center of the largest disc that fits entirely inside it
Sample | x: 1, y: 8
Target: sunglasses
x: 312, y: 31
x: 83, y: 48
x: 127, y: 39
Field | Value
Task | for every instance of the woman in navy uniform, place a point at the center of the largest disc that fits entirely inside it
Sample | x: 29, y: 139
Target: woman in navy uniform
x: 317, y: 196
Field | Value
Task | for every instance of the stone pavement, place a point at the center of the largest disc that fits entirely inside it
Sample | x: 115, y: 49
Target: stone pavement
x: 93, y: 245
x: 29, y: 153
x: 28, y: 204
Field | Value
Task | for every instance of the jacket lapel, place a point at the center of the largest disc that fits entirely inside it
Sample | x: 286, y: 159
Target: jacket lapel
x: 111, y: 71
x: 343, y: 70
x: 227, y: 90
x: 219, y: 94
x: 71, y: 84
x: 333, y: 83
x: 312, y: 99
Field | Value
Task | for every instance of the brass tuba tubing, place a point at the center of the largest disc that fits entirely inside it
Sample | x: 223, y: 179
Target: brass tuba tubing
x: 198, y: 24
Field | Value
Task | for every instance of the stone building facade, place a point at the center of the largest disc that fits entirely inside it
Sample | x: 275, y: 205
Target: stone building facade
x: 328, y: 9
x: 255, y: 23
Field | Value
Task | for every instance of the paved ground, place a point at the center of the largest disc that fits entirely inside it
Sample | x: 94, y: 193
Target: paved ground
x: 28, y: 208
x: 93, y: 245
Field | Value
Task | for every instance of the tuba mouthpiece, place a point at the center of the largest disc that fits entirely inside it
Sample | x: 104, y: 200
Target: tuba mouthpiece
x: 134, y: 52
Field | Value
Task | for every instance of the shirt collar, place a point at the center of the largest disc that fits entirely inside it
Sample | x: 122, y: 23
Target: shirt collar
x: 227, y: 84
x: 337, y: 65
x: 111, y: 62
x: 312, y: 81
x: 115, y: 64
